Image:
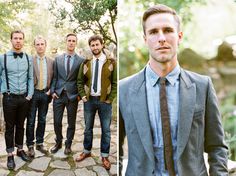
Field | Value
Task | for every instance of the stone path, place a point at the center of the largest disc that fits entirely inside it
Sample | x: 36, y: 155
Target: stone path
x: 59, y: 164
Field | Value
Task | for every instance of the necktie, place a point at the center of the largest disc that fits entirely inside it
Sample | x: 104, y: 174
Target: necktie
x: 17, y: 54
x: 166, y: 132
x: 41, y: 74
x: 95, y: 81
x: 68, y: 65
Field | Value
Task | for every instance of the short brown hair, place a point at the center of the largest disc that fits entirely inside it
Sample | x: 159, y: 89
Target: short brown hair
x: 71, y: 34
x: 95, y: 37
x: 17, y: 31
x: 40, y: 37
x: 158, y: 9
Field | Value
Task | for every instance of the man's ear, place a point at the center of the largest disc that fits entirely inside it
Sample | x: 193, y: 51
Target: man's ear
x: 144, y: 38
x: 180, y: 36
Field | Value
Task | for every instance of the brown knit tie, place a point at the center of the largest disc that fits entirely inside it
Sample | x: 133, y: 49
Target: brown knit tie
x: 166, y: 132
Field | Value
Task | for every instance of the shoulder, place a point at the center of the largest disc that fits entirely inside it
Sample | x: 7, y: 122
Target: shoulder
x: 133, y: 80
x: 196, y: 78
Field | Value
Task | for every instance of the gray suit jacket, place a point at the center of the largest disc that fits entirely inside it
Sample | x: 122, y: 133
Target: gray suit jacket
x: 199, y: 127
x: 61, y: 81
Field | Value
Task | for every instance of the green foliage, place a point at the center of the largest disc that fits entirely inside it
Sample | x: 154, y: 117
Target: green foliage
x: 133, y: 53
x: 229, y: 120
x: 96, y: 16
x: 10, y: 18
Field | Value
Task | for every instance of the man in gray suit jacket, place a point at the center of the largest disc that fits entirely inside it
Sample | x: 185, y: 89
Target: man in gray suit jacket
x: 65, y: 93
x: 195, y: 124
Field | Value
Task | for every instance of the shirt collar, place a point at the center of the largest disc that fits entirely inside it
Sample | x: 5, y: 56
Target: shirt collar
x: 172, y: 77
x: 102, y: 57
x: 69, y: 55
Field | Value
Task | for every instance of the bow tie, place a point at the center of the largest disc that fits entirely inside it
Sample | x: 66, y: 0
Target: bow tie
x: 17, y: 54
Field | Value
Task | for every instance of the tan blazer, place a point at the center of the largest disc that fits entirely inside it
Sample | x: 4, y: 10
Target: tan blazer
x: 50, y: 63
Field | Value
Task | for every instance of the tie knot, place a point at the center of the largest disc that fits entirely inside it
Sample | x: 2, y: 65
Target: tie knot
x: 17, y: 54
x: 162, y: 80
x: 69, y: 56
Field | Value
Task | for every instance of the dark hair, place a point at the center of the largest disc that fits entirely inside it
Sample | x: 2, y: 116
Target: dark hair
x: 158, y: 9
x: 17, y: 31
x: 71, y: 34
x: 95, y: 37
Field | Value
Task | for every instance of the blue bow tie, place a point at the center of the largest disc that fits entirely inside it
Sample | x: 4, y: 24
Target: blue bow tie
x: 17, y: 54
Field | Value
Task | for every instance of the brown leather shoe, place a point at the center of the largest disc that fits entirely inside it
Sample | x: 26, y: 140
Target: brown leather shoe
x: 82, y: 156
x: 106, y: 163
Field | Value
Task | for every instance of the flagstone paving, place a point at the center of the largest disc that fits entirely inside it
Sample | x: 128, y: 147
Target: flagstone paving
x: 60, y: 164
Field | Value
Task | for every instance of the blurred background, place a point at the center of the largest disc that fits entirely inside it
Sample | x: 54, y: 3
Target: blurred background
x: 208, y: 47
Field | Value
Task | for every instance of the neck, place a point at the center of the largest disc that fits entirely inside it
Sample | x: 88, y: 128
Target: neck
x: 16, y: 50
x: 98, y: 55
x: 162, y: 69
x: 70, y: 52
x: 41, y: 55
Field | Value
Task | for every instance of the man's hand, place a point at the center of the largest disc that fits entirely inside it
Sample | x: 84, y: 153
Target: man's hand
x: 108, y: 101
x: 28, y: 98
x: 84, y: 99
x: 54, y: 96
x: 48, y: 92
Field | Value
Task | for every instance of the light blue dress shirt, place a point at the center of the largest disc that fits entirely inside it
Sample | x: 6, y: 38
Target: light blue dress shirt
x: 44, y: 71
x: 17, y: 74
x: 172, y: 90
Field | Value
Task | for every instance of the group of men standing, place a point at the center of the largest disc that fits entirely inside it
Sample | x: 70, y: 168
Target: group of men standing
x: 28, y: 85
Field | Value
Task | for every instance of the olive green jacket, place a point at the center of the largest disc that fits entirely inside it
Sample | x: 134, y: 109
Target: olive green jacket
x: 108, y: 79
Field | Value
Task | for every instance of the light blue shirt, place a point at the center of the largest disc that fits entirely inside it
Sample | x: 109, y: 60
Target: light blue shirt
x: 72, y: 58
x: 17, y: 74
x: 44, y: 71
x: 172, y: 90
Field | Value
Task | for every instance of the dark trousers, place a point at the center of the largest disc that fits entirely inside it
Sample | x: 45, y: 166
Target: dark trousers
x: 104, y: 110
x: 15, y: 109
x: 39, y: 103
x: 58, y: 110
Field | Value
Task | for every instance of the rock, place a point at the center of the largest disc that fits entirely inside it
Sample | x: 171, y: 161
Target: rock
x: 84, y: 172
x: 100, y: 171
x: 40, y: 164
x: 113, y: 169
x: 29, y: 173
x: 60, y: 164
x: 60, y: 172
x: 4, y: 172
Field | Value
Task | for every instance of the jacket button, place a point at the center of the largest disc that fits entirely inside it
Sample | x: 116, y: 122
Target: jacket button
x: 153, y: 172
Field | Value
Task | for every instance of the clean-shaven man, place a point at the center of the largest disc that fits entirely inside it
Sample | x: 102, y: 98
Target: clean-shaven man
x: 170, y: 115
x: 43, y: 74
x: 65, y: 93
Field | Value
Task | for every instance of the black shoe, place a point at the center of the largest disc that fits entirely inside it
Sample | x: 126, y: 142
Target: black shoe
x: 23, y: 155
x: 67, y: 151
x: 41, y: 149
x: 11, y: 163
x: 31, y: 152
x: 56, y: 147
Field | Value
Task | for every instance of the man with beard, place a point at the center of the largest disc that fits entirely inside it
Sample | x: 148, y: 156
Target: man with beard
x: 170, y: 115
x: 17, y: 87
x: 65, y: 93
x: 97, y: 85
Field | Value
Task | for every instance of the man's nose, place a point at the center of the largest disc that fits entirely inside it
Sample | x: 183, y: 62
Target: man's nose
x: 161, y: 37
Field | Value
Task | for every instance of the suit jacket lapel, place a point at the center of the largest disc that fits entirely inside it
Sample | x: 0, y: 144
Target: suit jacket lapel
x: 187, y: 104
x: 62, y: 64
x: 140, y: 113
x: 36, y: 69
